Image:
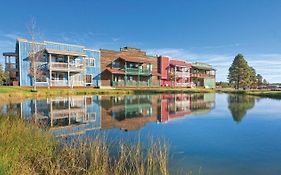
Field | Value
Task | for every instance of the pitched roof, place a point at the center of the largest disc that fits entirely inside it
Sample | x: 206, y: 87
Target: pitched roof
x: 65, y: 52
x: 136, y: 59
x: 180, y: 63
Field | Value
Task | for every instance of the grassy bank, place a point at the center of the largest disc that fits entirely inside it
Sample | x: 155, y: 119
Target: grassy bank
x: 259, y: 93
x: 17, y: 94
x: 25, y: 149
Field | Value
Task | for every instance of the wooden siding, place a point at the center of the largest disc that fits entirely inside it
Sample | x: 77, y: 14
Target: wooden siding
x: 107, y: 56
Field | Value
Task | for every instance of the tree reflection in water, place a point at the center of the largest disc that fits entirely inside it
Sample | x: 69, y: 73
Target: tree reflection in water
x: 239, y: 105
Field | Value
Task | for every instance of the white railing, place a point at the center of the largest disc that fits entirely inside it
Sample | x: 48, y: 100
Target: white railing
x: 183, y: 85
x: 70, y: 66
x: 181, y: 74
x: 71, y: 83
x: 59, y: 82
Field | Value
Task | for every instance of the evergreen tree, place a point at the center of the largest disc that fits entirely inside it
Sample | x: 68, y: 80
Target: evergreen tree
x: 259, y: 79
x: 240, y: 74
x: 264, y: 82
x: 253, y: 78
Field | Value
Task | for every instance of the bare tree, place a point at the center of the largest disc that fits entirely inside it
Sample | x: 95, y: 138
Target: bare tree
x: 36, y: 52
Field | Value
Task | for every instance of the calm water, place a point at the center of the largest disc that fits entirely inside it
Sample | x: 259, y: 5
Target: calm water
x: 207, y: 133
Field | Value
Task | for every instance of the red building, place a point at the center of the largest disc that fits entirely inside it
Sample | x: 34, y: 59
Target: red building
x: 174, y: 73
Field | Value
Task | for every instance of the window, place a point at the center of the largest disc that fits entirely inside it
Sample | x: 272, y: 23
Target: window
x: 90, y: 62
x: 88, y: 78
x: 90, y: 117
x: 116, y: 64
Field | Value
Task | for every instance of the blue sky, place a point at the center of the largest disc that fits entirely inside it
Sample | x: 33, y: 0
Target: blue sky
x: 212, y: 31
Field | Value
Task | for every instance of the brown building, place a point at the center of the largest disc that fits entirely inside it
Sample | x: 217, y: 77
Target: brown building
x: 129, y: 67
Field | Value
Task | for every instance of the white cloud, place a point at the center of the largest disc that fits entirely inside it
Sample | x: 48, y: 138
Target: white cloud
x: 268, y: 65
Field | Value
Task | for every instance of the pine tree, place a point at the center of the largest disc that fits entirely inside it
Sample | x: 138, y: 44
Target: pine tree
x: 264, y: 82
x: 253, y: 78
x: 240, y: 74
x: 259, y: 79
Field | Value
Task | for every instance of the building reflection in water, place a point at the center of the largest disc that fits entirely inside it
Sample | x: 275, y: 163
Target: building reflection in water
x: 133, y: 112
x: 65, y: 116
x: 129, y: 112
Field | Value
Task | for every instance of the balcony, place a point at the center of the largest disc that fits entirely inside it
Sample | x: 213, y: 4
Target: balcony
x: 202, y: 75
x: 137, y: 71
x: 182, y: 74
x: 135, y: 83
x: 65, y: 83
x: 59, y: 82
x: 183, y: 84
x: 66, y: 66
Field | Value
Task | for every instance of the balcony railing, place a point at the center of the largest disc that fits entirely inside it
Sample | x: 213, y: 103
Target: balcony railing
x: 183, y: 84
x: 202, y: 75
x: 182, y: 74
x: 67, y: 66
x: 66, y: 83
x: 59, y: 82
x: 135, y: 83
x: 137, y: 71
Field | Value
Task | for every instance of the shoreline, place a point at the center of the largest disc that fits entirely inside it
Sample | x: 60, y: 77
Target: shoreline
x: 9, y: 94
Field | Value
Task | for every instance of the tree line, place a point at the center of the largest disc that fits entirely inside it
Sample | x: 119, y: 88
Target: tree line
x: 243, y: 76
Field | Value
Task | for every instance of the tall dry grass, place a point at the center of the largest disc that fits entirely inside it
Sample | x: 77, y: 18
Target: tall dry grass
x: 25, y: 149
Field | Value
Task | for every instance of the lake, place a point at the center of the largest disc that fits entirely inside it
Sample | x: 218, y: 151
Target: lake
x: 207, y: 133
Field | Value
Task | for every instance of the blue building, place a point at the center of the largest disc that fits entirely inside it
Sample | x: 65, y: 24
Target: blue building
x: 58, y: 64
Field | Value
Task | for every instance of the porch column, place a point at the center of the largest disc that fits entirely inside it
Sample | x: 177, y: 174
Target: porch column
x: 125, y: 79
x: 174, y: 76
x: 67, y: 61
x: 6, y: 68
x: 182, y: 78
x: 139, y: 71
x: 50, y: 69
x: 125, y: 75
x: 69, y: 119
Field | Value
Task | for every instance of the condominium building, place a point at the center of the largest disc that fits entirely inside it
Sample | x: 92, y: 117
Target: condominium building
x: 203, y: 75
x: 129, y: 67
x: 68, y: 65
x: 174, y: 73
x: 59, y: 64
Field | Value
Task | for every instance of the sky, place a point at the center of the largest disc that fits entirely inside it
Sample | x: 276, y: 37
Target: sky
x: 212, y: 31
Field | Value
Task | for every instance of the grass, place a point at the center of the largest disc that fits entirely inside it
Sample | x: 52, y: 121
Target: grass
x: 25, y: 149
x: 17, y: 94
x: 259, y: 93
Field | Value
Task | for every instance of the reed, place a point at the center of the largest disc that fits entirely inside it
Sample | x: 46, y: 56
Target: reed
x: 25, y: 149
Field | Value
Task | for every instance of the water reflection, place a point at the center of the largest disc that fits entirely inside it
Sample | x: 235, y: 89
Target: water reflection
x: 239, y: 105
x: 76, y: 115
